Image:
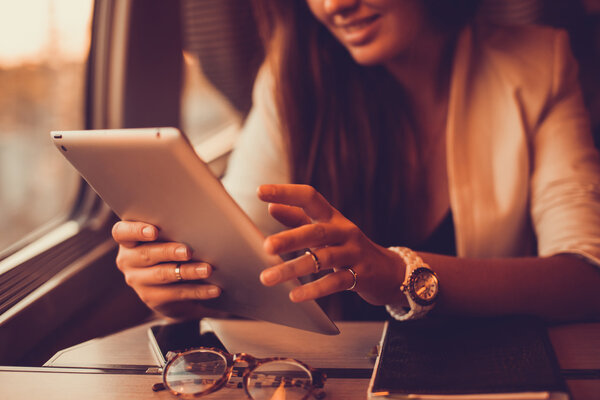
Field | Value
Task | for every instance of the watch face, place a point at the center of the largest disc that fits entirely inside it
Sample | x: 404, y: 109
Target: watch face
x: 423, y: 286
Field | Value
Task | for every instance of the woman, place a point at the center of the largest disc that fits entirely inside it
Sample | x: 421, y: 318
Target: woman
x: 407, y: 126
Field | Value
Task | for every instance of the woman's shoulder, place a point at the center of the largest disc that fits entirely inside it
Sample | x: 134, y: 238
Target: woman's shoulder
x: 529, y: 51
x: 535, y: 59
x: 526, y: 42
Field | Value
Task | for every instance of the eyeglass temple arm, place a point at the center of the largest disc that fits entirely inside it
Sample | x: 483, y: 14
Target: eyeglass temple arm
x: 319, y: 379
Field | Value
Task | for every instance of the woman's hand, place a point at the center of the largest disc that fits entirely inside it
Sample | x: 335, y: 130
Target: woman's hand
x: 337, y: 243
x: 150, y: 268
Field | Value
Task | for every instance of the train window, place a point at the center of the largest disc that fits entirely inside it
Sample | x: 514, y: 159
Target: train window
x: 43, y: 51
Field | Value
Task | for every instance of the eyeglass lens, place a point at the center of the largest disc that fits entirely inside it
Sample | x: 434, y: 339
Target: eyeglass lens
x: 198, y: 371
x: 279, y: 380
x: 195, y: 372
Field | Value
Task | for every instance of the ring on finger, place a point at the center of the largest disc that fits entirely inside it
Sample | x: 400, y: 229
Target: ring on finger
x: 178, y: 272
x: 354, y: 277
x: 315, y: 260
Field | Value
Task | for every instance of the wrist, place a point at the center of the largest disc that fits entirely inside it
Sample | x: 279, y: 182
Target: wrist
x: 398, y: 298
x: 420, y: 287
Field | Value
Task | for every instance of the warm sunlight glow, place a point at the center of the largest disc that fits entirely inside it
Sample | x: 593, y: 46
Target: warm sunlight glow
x: 44, y: 46
x: 30, y: 29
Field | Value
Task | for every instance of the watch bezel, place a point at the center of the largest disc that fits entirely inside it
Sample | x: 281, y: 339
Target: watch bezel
x: 411, y: 286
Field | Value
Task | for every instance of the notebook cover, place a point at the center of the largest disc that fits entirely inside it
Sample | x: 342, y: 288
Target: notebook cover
x: 467, y: 356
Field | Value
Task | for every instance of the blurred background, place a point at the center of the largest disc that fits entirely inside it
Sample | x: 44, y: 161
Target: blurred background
x: 44, y: 50
x: 43, y: 55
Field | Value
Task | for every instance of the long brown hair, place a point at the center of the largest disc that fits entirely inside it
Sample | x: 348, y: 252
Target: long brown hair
x: 344, y: 123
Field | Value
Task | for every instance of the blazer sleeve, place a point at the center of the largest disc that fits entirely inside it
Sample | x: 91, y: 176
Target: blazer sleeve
x: 565, y: 186
x: 259, y: 156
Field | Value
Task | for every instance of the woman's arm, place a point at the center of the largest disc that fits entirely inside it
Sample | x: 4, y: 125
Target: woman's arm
x: 561, y: 287
x: 259, y: 156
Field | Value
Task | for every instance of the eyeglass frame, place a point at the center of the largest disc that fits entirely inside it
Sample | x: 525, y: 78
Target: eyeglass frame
x: 318, y: 377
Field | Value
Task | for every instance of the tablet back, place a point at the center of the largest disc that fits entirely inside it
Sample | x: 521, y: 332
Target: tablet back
x: 154, y: 175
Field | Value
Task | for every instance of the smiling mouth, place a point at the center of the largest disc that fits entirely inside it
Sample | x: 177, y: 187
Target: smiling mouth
x: 358, y: 25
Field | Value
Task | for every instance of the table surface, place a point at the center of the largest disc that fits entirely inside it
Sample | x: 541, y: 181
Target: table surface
x: 115, y: 367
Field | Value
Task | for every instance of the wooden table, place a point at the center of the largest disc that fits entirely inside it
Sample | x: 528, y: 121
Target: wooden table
x: 115, y: 367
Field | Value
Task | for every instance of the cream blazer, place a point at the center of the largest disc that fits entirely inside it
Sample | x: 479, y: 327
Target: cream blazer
x: 524, y: 176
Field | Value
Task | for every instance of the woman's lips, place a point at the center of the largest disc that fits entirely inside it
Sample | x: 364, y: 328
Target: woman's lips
x: 358, y: 31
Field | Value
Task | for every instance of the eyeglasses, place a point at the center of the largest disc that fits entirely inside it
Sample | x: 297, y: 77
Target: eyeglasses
x: 201, y: 371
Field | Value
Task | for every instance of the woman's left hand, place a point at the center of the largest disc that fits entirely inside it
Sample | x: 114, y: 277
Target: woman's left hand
x: 337, y: 243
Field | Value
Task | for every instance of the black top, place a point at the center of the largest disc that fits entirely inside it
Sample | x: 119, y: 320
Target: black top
x: 442, y: 240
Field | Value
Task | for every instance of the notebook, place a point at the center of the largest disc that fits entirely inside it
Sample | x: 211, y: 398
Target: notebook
x: 467, y: 358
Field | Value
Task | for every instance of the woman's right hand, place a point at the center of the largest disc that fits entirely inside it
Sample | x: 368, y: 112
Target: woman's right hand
x: 149, y: 268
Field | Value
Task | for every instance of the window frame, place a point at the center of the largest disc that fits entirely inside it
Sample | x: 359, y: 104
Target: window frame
x: 28, y: 329
x: 127, y: 37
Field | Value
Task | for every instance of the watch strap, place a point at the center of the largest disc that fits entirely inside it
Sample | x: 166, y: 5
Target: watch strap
x: 416, y: 311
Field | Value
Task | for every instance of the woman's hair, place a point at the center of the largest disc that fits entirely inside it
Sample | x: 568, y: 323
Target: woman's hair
x: 344, y: 123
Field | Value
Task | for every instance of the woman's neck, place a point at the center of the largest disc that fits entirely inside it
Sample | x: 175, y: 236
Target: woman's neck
x: 424, y: 74
x: 424, y: 70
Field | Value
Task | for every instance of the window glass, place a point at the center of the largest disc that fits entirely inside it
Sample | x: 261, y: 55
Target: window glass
x: 43, y: 51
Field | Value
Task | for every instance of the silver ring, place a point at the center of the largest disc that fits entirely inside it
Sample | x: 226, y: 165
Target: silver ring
x: 315, y: 260
x: 178, y: 272
x: 354, y: 276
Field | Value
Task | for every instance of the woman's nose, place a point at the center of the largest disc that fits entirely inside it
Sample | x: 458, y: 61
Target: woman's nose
x: 339, y: 6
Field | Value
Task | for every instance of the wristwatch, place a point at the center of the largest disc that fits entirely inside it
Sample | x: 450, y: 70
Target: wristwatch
x: 421, y: 287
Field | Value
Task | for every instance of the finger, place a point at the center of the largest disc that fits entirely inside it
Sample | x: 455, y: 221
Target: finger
x: 159, y: 295
x: 330, y: 283
x: 166, y: 273
x: 337, y: 256
x: 153, y: 253
x: 295, y: 268
x: 304, y: 196
x: 289, y: 216
x: 311, y: 235
x: 328, y: 258
x: 128, y: 233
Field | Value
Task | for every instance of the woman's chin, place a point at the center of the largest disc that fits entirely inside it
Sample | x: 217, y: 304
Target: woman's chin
x: 369, y: 55
x: 366, y: 58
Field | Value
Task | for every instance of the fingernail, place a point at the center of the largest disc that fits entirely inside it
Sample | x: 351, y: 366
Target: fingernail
x: 202, y: 271
x: 270, y: 276
x: 266, y: 190
x: 271, y: 245
x: 148, y: 232
x: 181, y: 252
x: 296, y: 295
x: 214, y: 291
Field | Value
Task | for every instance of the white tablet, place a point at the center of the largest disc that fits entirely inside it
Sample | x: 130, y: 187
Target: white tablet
x: 153, y: 175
